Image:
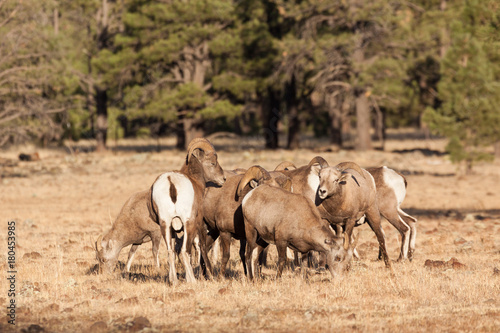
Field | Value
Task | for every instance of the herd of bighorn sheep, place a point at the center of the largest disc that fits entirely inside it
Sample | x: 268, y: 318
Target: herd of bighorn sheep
x: 310, y: 208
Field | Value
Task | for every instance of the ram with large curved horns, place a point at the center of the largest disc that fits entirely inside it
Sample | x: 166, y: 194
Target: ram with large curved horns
x: 347, y: 193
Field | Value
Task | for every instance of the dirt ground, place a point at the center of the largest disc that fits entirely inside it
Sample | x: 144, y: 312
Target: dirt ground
x: 60, y: 202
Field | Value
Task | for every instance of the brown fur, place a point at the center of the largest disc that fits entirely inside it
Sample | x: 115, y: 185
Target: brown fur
x: 286, y: 220
x: 222, y: 208
x: 350, y: 196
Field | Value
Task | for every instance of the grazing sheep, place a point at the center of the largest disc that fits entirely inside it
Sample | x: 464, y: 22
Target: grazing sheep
x: 222, y: 208
x: 177, y: 203
x: 346, y: 194
x: 273, y: 215
x: 133, y: 226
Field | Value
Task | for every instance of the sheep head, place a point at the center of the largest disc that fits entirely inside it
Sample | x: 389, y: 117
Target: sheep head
x: 331, y: 179
x: 106, y: 264
x: 202, y: 150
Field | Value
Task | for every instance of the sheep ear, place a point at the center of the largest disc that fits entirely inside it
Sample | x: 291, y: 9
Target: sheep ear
x: 343, y: 178
x: 199, y: 154
x: 253, y: 183
x: 315, y: 169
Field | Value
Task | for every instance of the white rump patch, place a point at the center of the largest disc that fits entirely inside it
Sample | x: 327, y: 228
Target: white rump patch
x: 183, y: 206
x: 396, y: 182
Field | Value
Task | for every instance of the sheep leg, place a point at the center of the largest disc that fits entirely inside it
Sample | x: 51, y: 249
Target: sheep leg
x: 281, y: 247
x: 225, y: 239
x: 349, y: 227
x: 205, y: 261
x: 255, y: 258
x: 263, y: 257
x: 131, y: 255
x: 404, y: 229
x: 212, y: 236
x: 187, y: 244
x: 297, y: 259
x: 156, y: 239
x: 167, y: 236
x: 412, y: 223
x: 243, y: 244
x: 303, y: 269
x: 375, y: 224
x: 251, y: 235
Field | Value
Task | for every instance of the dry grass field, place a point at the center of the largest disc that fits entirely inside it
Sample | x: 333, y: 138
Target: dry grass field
x: 64, y: 199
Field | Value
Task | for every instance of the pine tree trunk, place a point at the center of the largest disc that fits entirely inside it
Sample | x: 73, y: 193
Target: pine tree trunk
x: 271, y: 120
x: 335, y: 130
x: 497, y: 150
x: 101, y: 99
x: 293, y: 116
x: 335, y: 121
x: 181, y: 134
x: 379, y: 125
x: 363, y: 141
x: 187, y: 130
x: 193, y: 128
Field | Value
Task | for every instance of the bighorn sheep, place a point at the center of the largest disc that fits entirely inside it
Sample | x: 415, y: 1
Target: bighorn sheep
x: 391, y: 191
x: 346, y: 193
x: 132, y: 226
x: 177, y: 203
x: 275, y: 216
x: 222, y: 208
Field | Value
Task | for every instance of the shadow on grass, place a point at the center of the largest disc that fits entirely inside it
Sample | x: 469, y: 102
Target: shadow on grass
x: 424, y: 151
x: 459, y: 214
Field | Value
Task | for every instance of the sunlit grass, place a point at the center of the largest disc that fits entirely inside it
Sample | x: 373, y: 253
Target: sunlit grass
x: 58, y: 213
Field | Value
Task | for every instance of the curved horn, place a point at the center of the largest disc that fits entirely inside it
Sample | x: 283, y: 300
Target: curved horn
x: 255, y: 172
x: 98, y: 246
x: 318, y: 160
x: 350, y: 165
x: 346, y: 241
x: 286, y: 165
x: 198, y: 143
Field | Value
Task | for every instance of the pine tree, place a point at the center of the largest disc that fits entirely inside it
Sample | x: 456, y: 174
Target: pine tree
x: 32, y: 90
x: 176, y: 63
x: 470, y: 86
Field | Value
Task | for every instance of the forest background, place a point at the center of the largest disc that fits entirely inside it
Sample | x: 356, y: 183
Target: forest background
x: 108, y: 69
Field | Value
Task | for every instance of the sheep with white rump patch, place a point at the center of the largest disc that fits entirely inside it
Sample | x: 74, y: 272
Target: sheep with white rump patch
x: 391, y: 191
x: 177, y: 203
x: 273, y: 215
